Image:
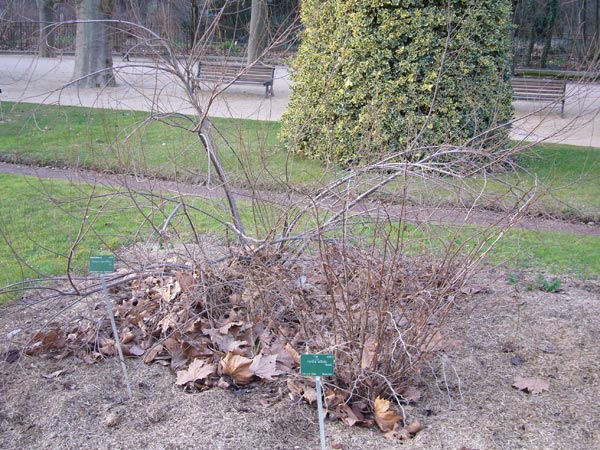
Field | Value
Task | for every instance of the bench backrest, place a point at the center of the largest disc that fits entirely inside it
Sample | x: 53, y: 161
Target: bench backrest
x: 228, y: 72
x: 539, y: 86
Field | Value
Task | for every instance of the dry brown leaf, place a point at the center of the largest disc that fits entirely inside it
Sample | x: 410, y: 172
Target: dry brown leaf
x: 133, y: 350
x: 153, y: 353
x: 56, y: 374
x: 127, y: 336
x: 175, y: 291
x: 368, y: 353
x: 178, y: 357
x: 385, y: 416
x: 333, y: 398
x: 349, y: 417
x: 168, y: 322
x: 196, y: 349
x: 229, y: 325
x: 237, y: 367
x: 293, y: 353
x: 414, y: 427
x: 186, y: 280
x: 198, y: 370
x: 295, y: 387
x: 264, y: 366
x: 309, y: 394
x: 53, y: 339
x: 531, y: 385
x: 227, y: 343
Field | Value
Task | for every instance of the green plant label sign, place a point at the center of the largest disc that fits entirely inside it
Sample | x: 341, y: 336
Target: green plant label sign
x: 102, y: 264
x: 316, y: 365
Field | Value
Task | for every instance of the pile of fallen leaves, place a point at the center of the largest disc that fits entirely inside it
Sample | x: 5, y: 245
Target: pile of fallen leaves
x: 248, y: 318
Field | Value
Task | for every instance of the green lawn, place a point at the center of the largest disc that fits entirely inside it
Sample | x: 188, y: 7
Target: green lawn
x: 572, y: 176
x: 42, y: 221
x: 125, y: 142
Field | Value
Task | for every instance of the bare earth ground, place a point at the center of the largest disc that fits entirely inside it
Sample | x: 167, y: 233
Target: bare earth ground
x: 468, y: 401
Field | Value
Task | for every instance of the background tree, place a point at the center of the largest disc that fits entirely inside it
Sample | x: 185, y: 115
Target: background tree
x: 93, y: 53
x: 258, y: 30
x: 551, y: 19
x: 46, y: 17
x: 398, y: 75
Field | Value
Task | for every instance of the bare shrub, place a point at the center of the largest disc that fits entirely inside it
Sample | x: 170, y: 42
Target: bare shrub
x: 348, y: 268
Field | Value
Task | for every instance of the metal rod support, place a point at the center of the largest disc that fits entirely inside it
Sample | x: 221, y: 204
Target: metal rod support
x: 321, y: 415
x: 116, y: 336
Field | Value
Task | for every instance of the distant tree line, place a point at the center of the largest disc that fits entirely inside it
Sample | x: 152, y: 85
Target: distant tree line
x: 563, y: 33
x: 559, y: 33
x: 178, y: 20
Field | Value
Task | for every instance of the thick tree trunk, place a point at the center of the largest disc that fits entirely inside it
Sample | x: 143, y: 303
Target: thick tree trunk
x: 46, y: 18
x: 552, y: 13
x: 258, y: 30
x: 531, y: 32
x: 93, y: 54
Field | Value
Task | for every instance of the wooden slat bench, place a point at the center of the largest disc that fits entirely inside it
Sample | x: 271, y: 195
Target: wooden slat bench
x: 236, y: 73
x: 540, y: 89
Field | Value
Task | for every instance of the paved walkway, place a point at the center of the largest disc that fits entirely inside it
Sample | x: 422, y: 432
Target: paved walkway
x: 141, y: 87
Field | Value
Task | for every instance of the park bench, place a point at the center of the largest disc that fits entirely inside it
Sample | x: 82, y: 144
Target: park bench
x: 540, y: 89
x: 236, y: 73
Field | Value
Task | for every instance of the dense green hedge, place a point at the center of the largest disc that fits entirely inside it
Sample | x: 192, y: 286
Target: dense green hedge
x: 377, y: 76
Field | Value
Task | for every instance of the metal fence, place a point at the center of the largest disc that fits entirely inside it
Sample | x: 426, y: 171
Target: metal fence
x: 25, y: 37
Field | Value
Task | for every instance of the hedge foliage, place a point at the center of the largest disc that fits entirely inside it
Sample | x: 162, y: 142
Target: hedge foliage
x: 377, y: 76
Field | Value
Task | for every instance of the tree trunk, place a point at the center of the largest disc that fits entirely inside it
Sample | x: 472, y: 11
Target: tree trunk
x: 46, y: 18
x: 258, y: 30
x: 552, y: 13
x: 531, y: 43
x: 195, y: 22
x: 584, y: 25
x: 596, y: 31
x: 93, y: 54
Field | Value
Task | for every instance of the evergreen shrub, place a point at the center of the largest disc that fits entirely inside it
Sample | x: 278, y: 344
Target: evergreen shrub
x: 374, y: 77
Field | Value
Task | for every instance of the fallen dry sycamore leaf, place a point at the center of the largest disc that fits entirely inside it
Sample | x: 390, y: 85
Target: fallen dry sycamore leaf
x: 265, y: 366
x: 198, y: 370
x: 53, y: 339
x: 399, y: 433
x: 531, y: 385
x: 238, y: 368
x: 385, y: 416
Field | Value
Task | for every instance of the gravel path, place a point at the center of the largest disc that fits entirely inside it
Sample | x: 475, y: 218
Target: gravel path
x: 413, y: 213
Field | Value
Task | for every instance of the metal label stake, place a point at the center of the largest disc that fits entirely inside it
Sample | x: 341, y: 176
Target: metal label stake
x: 101, y: 265
x: 318, y: 366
